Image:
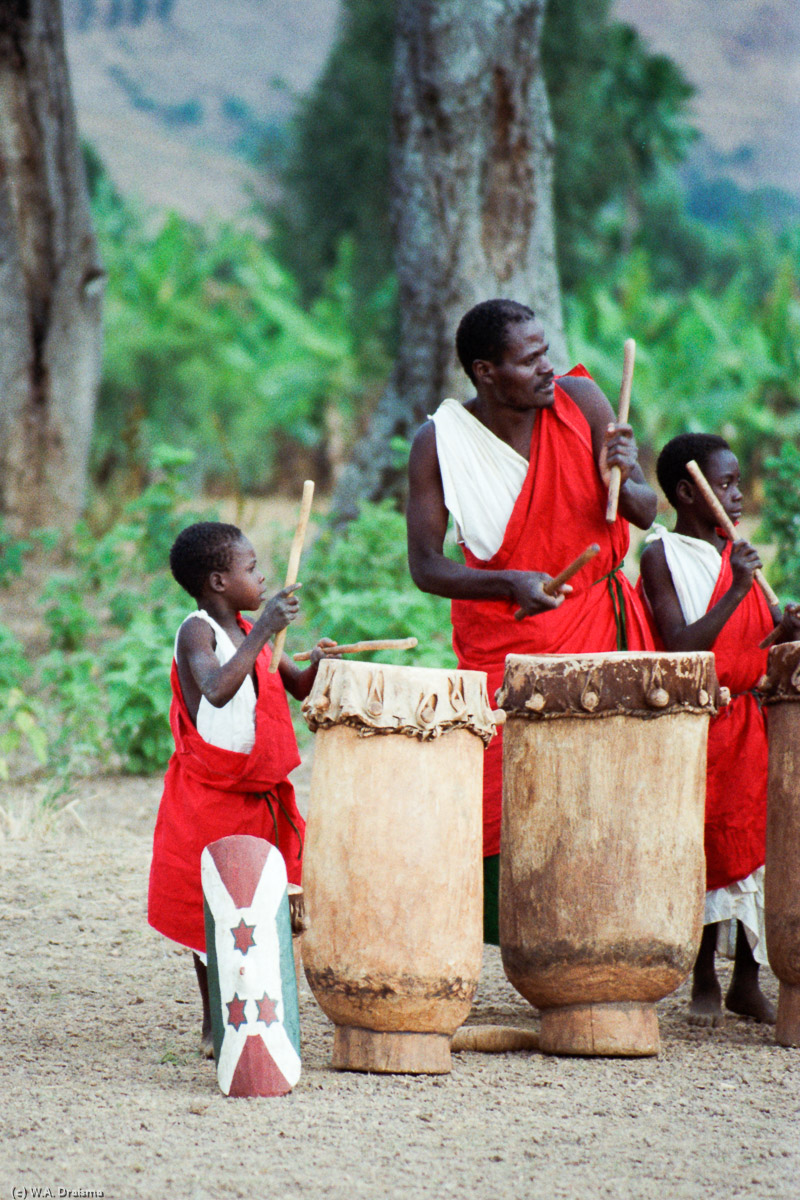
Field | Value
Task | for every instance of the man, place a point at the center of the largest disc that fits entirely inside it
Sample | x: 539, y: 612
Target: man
x: 523, y: 468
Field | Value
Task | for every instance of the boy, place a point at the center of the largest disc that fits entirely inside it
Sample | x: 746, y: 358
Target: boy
x: 234, y: 741
x: 701, y: 594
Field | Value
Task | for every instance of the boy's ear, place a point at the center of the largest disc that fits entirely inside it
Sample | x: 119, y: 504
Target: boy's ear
x: 216, y: 581
x: 685, y: 492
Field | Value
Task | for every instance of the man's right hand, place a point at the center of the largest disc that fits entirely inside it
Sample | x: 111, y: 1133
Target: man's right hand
x: 527, y: 591
x: 745, y: 562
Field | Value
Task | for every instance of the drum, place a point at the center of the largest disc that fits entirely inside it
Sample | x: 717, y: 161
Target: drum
x: 781, y: 689
x: 602, y: 870
x: 392, y: 871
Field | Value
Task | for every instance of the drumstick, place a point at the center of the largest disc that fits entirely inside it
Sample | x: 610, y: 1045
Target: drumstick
x: 294, y: 563
x: 551, y: 588
x: 629, y: 355
x: 726, y: 524
x: 359, y: 647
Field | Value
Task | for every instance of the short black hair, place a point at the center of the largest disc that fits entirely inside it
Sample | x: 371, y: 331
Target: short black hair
x: 671, y: 465
x: 481, y: 332
x: 200, y: 549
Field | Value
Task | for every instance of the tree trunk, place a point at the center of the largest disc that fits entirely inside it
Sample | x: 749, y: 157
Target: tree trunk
x: 472, y: 217
x: 51, y: 278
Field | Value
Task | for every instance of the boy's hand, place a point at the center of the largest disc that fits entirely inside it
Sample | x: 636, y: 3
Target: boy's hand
x: 745, y: 562
x: 790, y: 623
x: 281, y: 610
x: 318, y: 652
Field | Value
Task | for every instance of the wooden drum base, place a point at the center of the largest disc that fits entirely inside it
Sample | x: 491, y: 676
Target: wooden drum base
x: 620, y: 1030
x: 787, y: 1029
x: 390, y: 1053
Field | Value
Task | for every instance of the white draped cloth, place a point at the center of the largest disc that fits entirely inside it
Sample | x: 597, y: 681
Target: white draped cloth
x: 232, y: 727
x: 694, y: 566
x: 482, y: 477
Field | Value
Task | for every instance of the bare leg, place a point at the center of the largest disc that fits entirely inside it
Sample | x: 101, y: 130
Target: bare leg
x: 206, y: 1040
x: 744, y: 996
x: 706, y: 1006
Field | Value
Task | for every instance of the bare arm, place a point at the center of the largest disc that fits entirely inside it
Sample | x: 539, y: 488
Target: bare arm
x: 701, y: 634
x: 199, y: 669
x: 614, y: 448
x: 430, y: 569
x: 299, y: 682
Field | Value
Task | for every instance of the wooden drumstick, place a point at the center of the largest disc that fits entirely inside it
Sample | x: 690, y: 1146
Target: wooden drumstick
x: 360, y: 647
x: 629, y: 356
x: 727, y: 525
x: 294, y: 563
x: 493, y: 1039
x: 551, y: 588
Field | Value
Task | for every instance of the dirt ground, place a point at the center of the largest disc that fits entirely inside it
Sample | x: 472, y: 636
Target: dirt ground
x: 104, y: 1091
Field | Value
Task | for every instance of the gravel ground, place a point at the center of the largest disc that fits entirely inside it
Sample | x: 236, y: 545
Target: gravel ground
x: 104, y: 1091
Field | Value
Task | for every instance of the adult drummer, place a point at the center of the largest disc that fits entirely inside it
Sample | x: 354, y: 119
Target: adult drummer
x: 523, y: 468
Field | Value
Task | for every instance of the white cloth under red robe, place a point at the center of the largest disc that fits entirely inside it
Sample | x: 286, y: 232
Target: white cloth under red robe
x: 736, y: 785
x: 557, y: 512
x: 211, y: 793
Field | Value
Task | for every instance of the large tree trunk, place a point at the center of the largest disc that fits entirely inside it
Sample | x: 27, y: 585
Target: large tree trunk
x: 472, y: 213
x: 50, y: 277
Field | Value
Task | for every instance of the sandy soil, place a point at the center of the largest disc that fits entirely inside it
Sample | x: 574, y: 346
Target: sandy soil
x: 104, y: 1090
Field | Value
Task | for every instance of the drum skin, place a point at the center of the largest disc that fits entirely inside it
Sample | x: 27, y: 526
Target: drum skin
x: 393, y: 879
x: 602, y: 873
x: 782, y: 876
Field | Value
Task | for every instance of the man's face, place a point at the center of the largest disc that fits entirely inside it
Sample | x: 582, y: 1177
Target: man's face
x: 523, y: 379
x: 722, y: 473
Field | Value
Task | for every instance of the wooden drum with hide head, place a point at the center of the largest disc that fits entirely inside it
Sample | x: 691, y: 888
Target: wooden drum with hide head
x: 602, y: 870
x: 781, y: 689
x: 392, y: 873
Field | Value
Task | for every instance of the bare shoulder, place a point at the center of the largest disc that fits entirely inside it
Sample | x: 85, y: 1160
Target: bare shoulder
x: 195, y: 634
x: 590, y: 399
x: 424, y: 458
x: 653, y: 565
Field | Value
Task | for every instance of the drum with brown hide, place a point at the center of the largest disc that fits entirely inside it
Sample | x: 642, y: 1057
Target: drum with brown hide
x: 392, y: 871
x: 781, y: 689
x: 602, y: 871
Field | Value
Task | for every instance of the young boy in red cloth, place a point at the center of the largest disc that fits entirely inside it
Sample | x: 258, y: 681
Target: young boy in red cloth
x: 234, y: 741
x: 701, y: 594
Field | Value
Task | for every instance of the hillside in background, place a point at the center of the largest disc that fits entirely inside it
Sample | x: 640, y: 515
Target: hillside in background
x: 176, y: 95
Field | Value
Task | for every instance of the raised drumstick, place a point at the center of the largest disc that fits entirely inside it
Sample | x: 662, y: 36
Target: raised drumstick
x: 727, y: 525
x: 360, y: 647
x: 294, y: 563
x: 629, y: 355
x: 551, y: 588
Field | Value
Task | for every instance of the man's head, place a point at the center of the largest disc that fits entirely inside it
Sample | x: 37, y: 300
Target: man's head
x: 201, y: 549
x: 483, y: 331
x: 713, y: 456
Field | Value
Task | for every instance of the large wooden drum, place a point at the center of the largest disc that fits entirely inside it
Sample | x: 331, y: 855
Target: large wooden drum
x: 392, y: 871
x: 782, y: 877
x: 602, y: 870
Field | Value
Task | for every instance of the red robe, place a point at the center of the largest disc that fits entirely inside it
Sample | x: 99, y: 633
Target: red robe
x: 558, y: 513
x: 736, y: 782
x: 210, y: 793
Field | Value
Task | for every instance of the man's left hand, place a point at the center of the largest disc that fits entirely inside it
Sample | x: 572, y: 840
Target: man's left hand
x: 619, y: 450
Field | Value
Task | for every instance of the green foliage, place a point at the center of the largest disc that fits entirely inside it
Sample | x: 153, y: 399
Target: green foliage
x: 20, y: 727
x: 356, y: 586
x: 781, y: 517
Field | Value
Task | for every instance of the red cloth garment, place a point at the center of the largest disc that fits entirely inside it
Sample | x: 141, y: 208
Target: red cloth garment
x: 559, y: 512
x: 210, y: 793
x: 736, y: 786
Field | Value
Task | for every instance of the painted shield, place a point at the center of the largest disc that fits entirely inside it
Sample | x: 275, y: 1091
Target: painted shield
x: 251, y: 977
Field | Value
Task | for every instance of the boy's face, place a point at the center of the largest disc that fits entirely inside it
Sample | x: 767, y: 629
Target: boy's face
x: 244, y: 583
x: 722, y: 473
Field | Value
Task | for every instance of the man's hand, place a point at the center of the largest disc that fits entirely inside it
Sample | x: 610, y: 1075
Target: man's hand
x: 619, y: 450
x: 745, y: 562
x: 280, y: 611
x: 527, y: 591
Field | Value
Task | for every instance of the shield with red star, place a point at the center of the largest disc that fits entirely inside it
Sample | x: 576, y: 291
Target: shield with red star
x: 251, y: 977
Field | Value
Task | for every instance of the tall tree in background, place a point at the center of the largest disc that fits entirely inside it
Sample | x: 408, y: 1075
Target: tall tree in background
x: 470, y: 203
x: 50, y: 277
